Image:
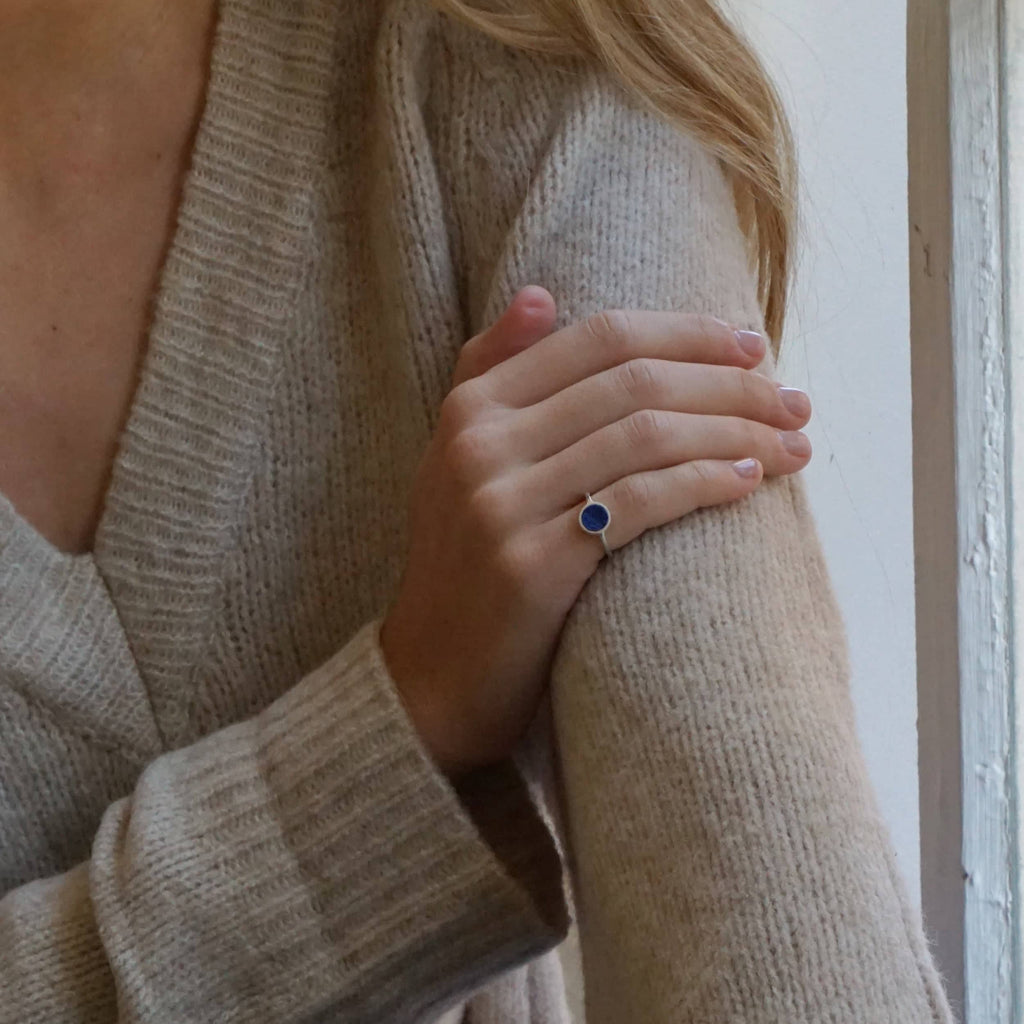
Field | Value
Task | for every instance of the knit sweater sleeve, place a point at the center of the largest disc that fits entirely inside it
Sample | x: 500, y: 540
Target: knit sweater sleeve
x: 728, y: 857
x: 308, y: 863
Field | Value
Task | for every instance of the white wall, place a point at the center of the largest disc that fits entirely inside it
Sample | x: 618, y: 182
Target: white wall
x: 841, y: 69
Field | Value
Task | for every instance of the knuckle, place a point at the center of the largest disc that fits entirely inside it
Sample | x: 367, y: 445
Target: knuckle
x: 710, y: 328
x: 461, y: 406
x: 715, y: 335
x: 487, y: 515
x: 749, y: 435
x: 745, y: 384
x: 612, y: 328
x: 518, y: 562
x: 634, y: 492
x: 755, y: 394
x: 471, y: 453
x: 643, y: 427
x: 703, y: 473
x: 641, y: 379
x: 762, y: 437
x: 485, y: 505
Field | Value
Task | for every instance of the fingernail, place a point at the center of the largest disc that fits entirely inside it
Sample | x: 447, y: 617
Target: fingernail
x: 795, y: 400
x: 751, y: 342
x: 533, y: 295
x: 795, y: 442
x: 746, y: 467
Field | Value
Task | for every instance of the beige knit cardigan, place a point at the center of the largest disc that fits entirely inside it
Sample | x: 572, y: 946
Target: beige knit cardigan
x: 212, y: 805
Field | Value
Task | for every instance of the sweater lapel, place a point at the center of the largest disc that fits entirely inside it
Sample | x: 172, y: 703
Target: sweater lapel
x: 220, y: 318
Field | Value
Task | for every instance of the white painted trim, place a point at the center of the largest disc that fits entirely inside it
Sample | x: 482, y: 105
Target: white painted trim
x: 983, y: 471
x: 1013, y: 309
x: 962, y: 509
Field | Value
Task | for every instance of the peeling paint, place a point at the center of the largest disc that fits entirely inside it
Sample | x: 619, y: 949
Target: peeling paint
x: 984, y: 424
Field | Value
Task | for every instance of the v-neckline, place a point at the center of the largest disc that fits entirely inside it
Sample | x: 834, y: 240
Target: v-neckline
x: 15, y: 528
x: 221, y: 313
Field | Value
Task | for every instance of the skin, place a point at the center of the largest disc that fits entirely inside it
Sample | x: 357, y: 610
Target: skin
x: 654, y: 413
x: 99, y: 102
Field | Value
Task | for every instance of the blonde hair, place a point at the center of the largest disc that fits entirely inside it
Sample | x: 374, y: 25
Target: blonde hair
x: 687, y: 63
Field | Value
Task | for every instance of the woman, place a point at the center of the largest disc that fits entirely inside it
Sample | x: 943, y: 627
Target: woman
x: 259, y: 741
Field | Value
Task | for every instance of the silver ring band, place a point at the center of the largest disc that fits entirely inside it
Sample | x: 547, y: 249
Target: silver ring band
x: 595, y: 517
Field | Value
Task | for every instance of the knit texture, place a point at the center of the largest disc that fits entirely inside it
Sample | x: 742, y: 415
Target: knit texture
x: 213, y: 806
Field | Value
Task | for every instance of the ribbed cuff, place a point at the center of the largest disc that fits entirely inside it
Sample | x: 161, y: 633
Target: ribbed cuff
x: 315, y: 858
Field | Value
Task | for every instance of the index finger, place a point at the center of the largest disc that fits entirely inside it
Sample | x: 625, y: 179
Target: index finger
x: 610, y: 337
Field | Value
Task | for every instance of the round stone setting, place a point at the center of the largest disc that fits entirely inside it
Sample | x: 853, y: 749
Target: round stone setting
x: 595, y: 517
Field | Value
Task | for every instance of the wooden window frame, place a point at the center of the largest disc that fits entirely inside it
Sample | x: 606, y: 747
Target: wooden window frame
x: 967, y: 361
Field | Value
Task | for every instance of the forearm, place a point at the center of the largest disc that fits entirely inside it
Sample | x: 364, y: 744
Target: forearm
x: 732, y: 864
x: 730, y: 861
x: 310, y: 857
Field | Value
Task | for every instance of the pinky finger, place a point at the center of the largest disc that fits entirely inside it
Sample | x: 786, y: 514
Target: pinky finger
x: 644, y: 500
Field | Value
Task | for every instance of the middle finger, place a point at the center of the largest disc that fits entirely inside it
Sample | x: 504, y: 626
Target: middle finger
x: 541, y: 430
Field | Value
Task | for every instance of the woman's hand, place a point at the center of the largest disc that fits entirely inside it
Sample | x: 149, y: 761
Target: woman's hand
x: 654, y: 414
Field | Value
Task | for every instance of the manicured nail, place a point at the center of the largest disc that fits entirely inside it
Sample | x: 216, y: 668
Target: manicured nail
x: 795, y: 400
x: 751, y: 342
x: 746, y: 467
x: 795, y: 443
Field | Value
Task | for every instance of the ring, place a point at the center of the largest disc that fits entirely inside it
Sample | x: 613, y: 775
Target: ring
x: 595, y: 518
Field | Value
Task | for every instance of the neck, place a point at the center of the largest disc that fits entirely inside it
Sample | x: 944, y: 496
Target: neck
x: 86, y: 42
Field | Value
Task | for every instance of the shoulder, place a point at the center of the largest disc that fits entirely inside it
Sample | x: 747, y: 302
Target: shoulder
x: 542, y: 159
x: 510, y: 110
x: 448, y: 60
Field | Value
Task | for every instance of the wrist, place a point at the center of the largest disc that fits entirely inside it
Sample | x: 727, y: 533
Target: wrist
x: 432, y: 728
x: 429, y: 717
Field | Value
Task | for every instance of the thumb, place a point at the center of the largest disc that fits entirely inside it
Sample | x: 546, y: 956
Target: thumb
x: 528, y: 318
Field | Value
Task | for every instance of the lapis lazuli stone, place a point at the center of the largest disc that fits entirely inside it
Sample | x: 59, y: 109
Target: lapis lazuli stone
x: 595, y: 517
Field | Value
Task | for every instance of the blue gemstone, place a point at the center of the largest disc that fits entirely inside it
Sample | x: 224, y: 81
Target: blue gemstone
x: 595, y: 517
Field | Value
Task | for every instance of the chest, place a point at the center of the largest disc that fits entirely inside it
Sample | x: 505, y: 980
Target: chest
x: 74, y: 295
x: 256, y: 513
x: 90, y: 182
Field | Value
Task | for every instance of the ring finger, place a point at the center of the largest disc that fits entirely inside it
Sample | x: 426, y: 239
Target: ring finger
x: 656, y: 439
x: 639, y: 502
